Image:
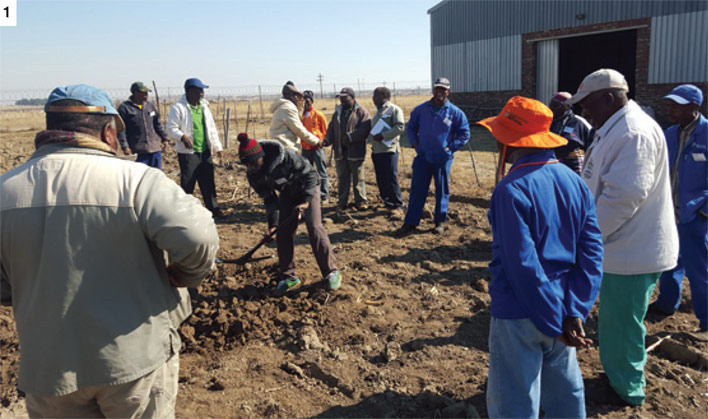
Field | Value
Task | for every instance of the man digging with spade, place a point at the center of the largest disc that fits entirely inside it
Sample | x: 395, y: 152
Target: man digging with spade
x: 290, y: 190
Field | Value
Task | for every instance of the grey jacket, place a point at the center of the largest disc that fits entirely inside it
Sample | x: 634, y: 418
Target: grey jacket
x: 83, y: 242
x: 392, y: 115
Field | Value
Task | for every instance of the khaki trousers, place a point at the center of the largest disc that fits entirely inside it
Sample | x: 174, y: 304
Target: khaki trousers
x: 151, y: 396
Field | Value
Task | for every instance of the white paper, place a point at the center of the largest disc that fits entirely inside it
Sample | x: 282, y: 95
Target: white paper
x: 379, y: 127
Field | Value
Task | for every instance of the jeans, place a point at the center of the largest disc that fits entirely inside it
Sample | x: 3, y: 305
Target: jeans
x: 623, y: 304
x: 693, y: 252
x: 316, y: 158
x: 151, y: 159
x: 350, y: 172
x: 386, y: 168
x: 423, y: 171
x: 529, y: 370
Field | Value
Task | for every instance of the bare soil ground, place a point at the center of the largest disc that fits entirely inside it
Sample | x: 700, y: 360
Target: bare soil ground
x: 405, y: 336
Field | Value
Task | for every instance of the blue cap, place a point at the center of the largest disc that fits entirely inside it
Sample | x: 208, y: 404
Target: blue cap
x: 686, y: 93
x: 195, y: 82
x: 96, y: 101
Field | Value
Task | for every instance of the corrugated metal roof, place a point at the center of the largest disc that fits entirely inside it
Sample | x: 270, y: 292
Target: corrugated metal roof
x: 457, y: 21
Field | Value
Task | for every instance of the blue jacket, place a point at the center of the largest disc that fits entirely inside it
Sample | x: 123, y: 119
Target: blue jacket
x: 547, y: 247
x: 692, y: 170
x: 437, y: 135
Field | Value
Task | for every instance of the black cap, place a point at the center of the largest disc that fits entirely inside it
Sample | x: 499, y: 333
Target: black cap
x: 309, y: 94
x: 348, y: 91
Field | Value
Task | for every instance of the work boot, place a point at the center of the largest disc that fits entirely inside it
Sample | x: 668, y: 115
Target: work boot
x: 287, y: 284
x: 440, y: 228
x: 405, y: 230
x: 362, y: 206
x: 655, y: 309
x: 334, y: 280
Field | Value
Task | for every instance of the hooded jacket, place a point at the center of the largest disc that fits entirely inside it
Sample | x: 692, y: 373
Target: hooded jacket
x: 179, y: 122
x: 286, y: 126
x: 285, y: 175
x: 358, y: 127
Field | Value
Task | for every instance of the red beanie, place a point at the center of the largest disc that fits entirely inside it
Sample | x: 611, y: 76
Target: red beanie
x: 249, y: 149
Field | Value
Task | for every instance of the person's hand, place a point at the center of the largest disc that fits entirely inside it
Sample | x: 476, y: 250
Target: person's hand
x: 165, y: 144
x: 268, y: 235
x: 172, y: 278
x: 574, y: 334
x: 126, y: 151
x: 378, y: 137
x: 187, y: 141
x: 300, y: 209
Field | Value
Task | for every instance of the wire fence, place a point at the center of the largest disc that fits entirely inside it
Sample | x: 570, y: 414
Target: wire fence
x: 169, y: 94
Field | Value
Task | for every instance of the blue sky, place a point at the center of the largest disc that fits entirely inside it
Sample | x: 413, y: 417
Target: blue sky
x: 110, y: 44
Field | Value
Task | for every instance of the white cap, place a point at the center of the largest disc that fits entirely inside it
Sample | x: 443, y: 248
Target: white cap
x: 602, y: 79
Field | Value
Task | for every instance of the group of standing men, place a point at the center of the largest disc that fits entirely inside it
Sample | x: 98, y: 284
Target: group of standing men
x: 559, y: 241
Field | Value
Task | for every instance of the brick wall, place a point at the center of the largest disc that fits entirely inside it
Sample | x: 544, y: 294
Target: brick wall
x: 646, y: 94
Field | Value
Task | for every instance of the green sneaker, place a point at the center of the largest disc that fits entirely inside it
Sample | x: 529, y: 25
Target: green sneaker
x: 287, y: 284
x: 334, y: 280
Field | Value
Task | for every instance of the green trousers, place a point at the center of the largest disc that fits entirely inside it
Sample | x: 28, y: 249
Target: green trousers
x: 623, y: 304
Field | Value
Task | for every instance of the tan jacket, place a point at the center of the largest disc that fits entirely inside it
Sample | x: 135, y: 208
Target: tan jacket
x: 286, y: 126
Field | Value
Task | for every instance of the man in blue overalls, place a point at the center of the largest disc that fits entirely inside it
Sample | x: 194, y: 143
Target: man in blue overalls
x: 686, y: 141
x: 437, y: 129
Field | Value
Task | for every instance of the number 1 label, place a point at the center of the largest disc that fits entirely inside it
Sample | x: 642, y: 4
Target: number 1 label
x: 8, y: 12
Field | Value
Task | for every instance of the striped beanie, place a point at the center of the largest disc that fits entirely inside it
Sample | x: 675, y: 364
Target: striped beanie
x: 248, y: 149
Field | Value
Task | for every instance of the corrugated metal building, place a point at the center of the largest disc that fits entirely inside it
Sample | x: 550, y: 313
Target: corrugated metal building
x: 494, y: 49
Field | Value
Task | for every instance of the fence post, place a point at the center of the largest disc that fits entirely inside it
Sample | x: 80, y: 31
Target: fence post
x: 260, y: 100
x: 226, y: 128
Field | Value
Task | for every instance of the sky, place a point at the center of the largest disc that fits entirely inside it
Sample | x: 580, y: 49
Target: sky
x: 110, y: 43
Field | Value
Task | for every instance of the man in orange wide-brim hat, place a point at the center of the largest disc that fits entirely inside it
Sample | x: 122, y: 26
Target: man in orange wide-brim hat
x: 546, y: 270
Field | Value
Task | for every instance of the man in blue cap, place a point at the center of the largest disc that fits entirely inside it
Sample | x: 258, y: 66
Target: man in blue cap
x: 83, y: 241
x: 191, y: 126
x: 143, y: 133
x: 686, y: 141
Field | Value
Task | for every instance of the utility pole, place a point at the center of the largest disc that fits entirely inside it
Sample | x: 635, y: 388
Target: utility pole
x: 320, y: 78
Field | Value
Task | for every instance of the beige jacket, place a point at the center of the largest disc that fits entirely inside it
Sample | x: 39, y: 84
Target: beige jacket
x: 286, y: 126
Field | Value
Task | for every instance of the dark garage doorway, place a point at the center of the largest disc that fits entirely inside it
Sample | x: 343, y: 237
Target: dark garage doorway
x: 581, y: 55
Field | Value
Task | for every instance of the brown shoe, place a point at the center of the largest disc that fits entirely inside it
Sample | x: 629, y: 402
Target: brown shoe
x: 405, y: 230
x: 362, y: 206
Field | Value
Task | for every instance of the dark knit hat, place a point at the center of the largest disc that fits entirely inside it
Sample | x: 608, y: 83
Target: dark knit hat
x: 249, y: 149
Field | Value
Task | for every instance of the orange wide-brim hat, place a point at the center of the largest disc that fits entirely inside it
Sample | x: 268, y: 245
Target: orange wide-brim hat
x: 524, y: 122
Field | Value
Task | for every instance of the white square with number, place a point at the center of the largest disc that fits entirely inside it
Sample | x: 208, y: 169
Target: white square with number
x: 8, y: 12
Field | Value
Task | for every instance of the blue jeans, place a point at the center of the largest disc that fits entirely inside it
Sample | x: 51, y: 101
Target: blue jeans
x: 317, y: 160
x: 692, y: 262
x: 386, y: 168
x: 529, y: 370
x: 420, y: 182
x: 151, y: 159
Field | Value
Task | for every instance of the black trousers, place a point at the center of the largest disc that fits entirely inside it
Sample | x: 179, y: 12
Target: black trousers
x: 198, y: 167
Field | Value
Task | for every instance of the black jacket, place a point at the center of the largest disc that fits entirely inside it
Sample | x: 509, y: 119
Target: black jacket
x: 286, y: 180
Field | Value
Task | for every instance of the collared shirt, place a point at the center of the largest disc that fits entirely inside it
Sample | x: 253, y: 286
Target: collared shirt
x: 627, y: 170
x: 438, y: 133
x: 547, y: 247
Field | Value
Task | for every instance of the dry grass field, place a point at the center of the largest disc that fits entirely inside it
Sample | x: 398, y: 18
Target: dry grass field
x: 405, y: 336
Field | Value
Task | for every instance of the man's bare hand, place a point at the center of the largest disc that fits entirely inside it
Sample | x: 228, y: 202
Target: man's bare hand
x: 300, y: 209
x: 165, y: 144
x: 378, y: 137
x: 574, y: 334
x: 172, y: 277
x: 268, y: 235
x: 187, y: 141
